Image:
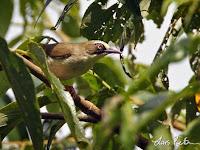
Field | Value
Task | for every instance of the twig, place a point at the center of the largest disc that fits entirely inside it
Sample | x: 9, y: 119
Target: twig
x: 35, y: 70
x: 84, y: 105
x: 56, y: 116
x: 176, y: 124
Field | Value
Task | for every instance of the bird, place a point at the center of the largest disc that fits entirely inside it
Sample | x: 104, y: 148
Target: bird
x: 68, y: 60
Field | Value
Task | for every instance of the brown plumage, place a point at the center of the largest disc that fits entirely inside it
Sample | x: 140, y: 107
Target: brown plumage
x: 69, y: 60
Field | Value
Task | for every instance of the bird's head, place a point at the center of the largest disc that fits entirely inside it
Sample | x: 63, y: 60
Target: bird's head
x: 96, y: 47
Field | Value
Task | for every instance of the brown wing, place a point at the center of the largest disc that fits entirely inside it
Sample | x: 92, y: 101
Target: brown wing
x: 58, y: 51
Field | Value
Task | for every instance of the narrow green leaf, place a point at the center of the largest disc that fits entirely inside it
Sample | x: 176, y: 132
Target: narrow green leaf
x: 24, y: 91
x: 64, y: 97
x: 10, y: 115
x: 15, y: 41
x: 6, y: 9
x: 53, y: 131
x: 4, y: 83
x: 36, y: 39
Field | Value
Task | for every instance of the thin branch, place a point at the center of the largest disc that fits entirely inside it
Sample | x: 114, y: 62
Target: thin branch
x: 35, y: 70
x: 176, y: 124
x: 84, y: 105
x: 56, y: 116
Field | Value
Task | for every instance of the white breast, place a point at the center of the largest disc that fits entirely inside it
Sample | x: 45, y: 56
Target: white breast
x: 71, y: 67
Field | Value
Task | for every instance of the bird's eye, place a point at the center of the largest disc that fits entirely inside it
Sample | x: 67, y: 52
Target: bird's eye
x: 100, y: 46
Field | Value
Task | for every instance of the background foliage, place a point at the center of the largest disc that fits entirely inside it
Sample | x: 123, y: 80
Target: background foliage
x: 133, y: 111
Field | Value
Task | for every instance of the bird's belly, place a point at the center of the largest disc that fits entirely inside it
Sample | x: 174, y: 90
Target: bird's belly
x: 70, y: 70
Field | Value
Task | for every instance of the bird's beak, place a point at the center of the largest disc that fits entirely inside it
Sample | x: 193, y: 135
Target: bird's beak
x: 110, y: 50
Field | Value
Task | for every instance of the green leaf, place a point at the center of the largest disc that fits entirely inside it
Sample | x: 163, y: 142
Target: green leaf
x: 127, y: 127
x: 54, y: 107
x: 191, y: 17
x: 4, y: 83
x: 92, y: 81
x: 24, y: 91
x: 37, y: 39
x: 191, y: 109
x: 53, y: 131
x: 83, y: 86
x: 65, y: 100
x: 104, y: 131
x: 15, y: 41
x: 19, y: 133
x: 10, y: 115
x: 154, y: 101
x: 194, y: 56
x: 115, y: 66
x: 103, y: 2
x: 133, y: 5
x: 191, y: 133
x: 155, y: 12
x: 99, y: 98
x: 6, y: 9
x: 176, y: 109
x: 71, y: 27
x: 92, y: 28
x: 108, y: 75
x: 163, y: 135
x: 110, y: 24
x: 34, y: 7
x: 4, y: 100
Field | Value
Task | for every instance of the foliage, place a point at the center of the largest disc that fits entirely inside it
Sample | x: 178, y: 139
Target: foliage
x: 133, y: 111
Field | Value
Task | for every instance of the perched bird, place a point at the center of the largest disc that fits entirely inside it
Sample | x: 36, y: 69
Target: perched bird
x: 69, y: 60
